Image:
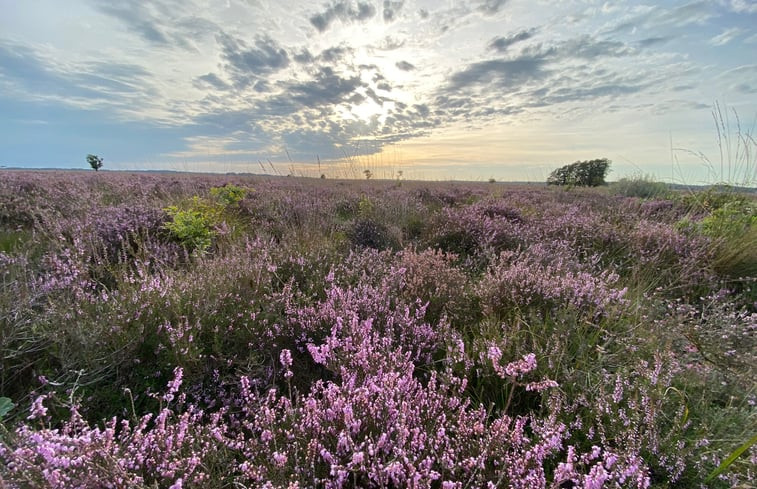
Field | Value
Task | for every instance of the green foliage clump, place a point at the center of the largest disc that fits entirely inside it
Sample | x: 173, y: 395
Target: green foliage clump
x: 194, y: 224
x: 711, y: 199
x: 731, y: 220
x: 733, y: 227
x: 5, y: 406
x: 365, y: 206
x: 589, y: 173
x: 644, y: 187
x: 228, y: 195
x: 95, y: 162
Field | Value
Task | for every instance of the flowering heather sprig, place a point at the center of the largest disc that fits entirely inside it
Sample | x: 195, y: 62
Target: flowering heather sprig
x: 386, y: 428
x: 38, y: 409
x: 174, y: 384
x: 601, y: 469
x: 347, y: 317
x: 162, y: 449
x: 517, y: 281
x: 636, y: 406
x: 285, y: 357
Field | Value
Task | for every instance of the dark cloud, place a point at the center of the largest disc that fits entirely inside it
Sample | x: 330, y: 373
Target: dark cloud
x: 248, y: 64
x: 745, y: 88
x: 197, y: 27
x: 335, y: 54
x: 343, y: 10
x: 326, y: 88
x: 423, y: 13
x: 332, y: 55
x: 503, y: 74
x: 491, y: 7
x: 161, y: 22
x: 538, y: 76
x: 501, y: 44
x: 303, y: 57
x: 320, y: 94
x: 390, y: 44
x: 391, y: 9
x: 137, y: 18
x: 405, y: 66
x: 221, y: 122
x: 653, y: 41
x: 587, y: 47
x: 211, y: 80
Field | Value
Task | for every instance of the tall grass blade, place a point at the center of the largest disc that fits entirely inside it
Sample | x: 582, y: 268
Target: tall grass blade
x: 731, y: 458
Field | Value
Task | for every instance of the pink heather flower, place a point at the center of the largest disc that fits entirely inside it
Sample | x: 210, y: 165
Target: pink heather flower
x: 494, y: 354
x: 540, y: 386
x: 38, y: 410
x: 319, y: 356
x: 174, y: 385
x: 280, y: 459
x: 358, y: 458
x: 520, y: 367
x: 285, y: 357
x: 177, y: 484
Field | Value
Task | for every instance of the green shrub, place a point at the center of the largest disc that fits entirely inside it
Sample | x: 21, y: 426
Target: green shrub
x: 644, y: 187
x: 709, y: 200
x: 733, y: 228
x: 228, y: 195
x: 731, y: 220
x: 589, y: 173
x: 365, y: 206
x: 193, y: 225
x: 195, y: 222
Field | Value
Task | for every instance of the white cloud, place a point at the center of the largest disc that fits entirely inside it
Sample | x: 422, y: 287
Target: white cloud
x: 743, y: 6
x: 726, y: 36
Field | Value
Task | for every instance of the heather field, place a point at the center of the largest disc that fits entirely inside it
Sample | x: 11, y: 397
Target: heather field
x: 199, y: 331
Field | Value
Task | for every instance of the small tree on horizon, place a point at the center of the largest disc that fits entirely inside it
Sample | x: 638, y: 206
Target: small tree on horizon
x: 589, y: 173
x: 95, y: 162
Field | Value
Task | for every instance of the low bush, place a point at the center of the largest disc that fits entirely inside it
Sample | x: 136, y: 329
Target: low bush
x: 644, y: 187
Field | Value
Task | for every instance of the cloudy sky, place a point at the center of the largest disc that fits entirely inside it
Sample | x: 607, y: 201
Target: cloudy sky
x: 437, y: 89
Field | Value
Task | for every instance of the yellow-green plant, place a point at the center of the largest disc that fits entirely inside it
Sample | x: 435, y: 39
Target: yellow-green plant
x: 194, y: 223
x: 192, y: 226
x: 228, y: 195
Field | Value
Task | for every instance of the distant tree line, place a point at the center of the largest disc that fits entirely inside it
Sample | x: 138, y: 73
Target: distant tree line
x: 589, y: 173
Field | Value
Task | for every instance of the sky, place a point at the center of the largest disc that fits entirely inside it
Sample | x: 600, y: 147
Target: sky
x: 414, y: 89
